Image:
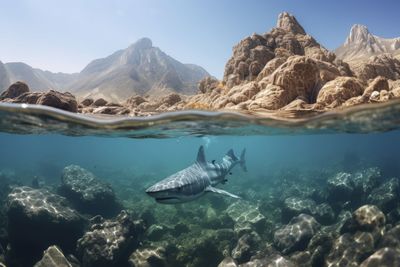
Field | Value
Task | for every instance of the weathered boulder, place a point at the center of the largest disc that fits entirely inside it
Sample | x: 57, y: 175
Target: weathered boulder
x: 148, y: 257
x: 208, y: 84
x: 367, y: 218
x: 299, y: 75
x: 340, y: 187
x: 350, y: 250
x: 87, y: 193
x: 385, y: 257
x: 38, y: 219
x: 109, y: 242
x: 16, y: 89
x: 99, y: 102
x: 296, y: 235
x: 87, y: 102
x: 385, y: 196
x: 135, y: 101
x: 65, y: 101
x: 111, y: 110
x: 294, y: 206
x: 384, y: 65
x: 246, y: 216
x: 337, y: 91
x: 247, y: 246
x: 53, y: 257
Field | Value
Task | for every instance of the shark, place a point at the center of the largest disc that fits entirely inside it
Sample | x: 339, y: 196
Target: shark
x: 197, y: 179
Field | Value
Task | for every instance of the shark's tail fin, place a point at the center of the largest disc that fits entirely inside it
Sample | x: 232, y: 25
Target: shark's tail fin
x: 242, y: 161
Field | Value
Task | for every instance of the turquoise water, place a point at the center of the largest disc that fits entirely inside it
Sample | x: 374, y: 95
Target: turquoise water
x: 279, y: 158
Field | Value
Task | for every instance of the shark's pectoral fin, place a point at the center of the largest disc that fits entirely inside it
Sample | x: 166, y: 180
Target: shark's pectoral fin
x: 220, y: 191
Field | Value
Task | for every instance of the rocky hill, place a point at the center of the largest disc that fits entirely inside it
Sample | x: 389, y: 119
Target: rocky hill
x: 140, y: 69
x: 283, y: 69
x: 361, y: 44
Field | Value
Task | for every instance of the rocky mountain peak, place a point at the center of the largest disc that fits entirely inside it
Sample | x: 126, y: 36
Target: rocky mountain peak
x: 289, y: 23
x: 143, y: 43
x: 359, y: 34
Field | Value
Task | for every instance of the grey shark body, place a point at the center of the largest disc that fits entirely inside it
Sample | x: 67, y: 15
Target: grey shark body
x: 197, y: 179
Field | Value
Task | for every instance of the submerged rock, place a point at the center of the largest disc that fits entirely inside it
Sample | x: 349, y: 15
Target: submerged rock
x: 340, y: 187
x: 296, y: 235
x: 366, y: 218
x: 53, y: 257
x: 294, y: 206
x: 386, y: 196
x: 109, y: 242
x: 246, y: 247
x: 38, y: 219
x: 246, y: 217
x: 383, y: 257
x: 148, y: 257
x: 87, y: 193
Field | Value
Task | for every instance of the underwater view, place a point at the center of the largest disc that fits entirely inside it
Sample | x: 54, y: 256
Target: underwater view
x: 296, y: 197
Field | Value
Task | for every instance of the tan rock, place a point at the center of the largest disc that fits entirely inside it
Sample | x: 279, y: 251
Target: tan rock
x: 135, y: 101
x: 272, y: 97
x: 208, y: 84
x: 99, y: 102
x: 378, y: 84
x: 382, y: 65
x: 270, y: 67
x: 242, y: 93
x: 298, y: 74
x: 336, y: 92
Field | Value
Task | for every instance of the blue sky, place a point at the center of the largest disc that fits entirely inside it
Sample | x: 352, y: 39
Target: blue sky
x: 61, y: 35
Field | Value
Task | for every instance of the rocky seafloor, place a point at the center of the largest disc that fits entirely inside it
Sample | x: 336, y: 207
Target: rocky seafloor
x: 298, y: 218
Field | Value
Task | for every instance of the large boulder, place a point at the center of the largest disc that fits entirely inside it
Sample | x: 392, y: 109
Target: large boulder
x: 340, y: 187
x: 148, y: 257
x: 65, y: 101
x: 337, y: 91
x: 87, y: 193
x: 296, y: 235
x: 53, y: 257
x: 38, y: 219
x: 109, y: 242
x: 385, y: 257
x: 384, y: 65
x: 385, y: 196
x: 16, y: 89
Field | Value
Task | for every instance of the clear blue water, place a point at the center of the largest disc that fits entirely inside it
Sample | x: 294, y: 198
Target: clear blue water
x: 131, y: 157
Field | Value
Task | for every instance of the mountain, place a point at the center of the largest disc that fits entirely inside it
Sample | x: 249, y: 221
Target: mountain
x: 139, y: 69
x: 361, y: 44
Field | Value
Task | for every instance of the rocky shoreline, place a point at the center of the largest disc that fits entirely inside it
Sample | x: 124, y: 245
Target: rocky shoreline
x: 284, y: 69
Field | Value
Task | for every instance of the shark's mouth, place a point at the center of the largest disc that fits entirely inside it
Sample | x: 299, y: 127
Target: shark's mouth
x: 166, y: 198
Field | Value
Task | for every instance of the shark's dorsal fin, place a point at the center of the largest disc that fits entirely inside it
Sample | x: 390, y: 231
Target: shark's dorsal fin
x: 201, y: 156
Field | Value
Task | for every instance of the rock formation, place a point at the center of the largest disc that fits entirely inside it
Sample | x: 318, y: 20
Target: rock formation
x: 361, y: 44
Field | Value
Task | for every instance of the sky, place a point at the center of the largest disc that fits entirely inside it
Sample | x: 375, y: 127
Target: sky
x: 65, y: 35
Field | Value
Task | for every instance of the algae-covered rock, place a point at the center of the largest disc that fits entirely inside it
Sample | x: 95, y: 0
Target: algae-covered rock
x: 246, y: 247
x: 53, y: 257
x: 385, y: 196
x: 109, y: 242
x: 38, y: 219
x: 87, y: 193
x: 148, y: 257
x: 246, y: 217
x: 296, y: 235
x: 383, y: 257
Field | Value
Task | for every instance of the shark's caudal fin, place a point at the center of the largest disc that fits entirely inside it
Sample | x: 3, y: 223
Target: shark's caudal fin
x: 243, y: 160
x: 201, y: 156
x: 231, y: 154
